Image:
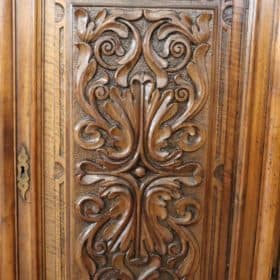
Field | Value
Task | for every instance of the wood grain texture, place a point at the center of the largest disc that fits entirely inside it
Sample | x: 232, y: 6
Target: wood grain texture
x: 268, y: 231
x: 7, y: 152
x: 251, y: 145
x: 54, y: 147
x: 148, y: 103
x: 253, y: 164
x: 28, y: 130
x: 150, y: 136
x: 144, y: 121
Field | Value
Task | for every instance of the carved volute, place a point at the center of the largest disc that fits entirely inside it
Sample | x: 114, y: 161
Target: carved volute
x: 139, y: 139
x: 141, y: 84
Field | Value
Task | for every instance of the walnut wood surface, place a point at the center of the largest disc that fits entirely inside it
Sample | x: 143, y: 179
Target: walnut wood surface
x: 268, y: 233
x: 28, y: 114
x: 142, y: 131
x: 255, y: 147
x: 151, y: 130
x: 132, y: 150
x: 141, y: 153
x: 7, y: 153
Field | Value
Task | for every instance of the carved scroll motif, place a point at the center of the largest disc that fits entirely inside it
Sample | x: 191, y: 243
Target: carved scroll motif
x: 133, y: 225
x: 140, y: 126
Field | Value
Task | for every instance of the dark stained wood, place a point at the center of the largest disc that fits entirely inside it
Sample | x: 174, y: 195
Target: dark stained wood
x: 148, y: 135
x: 147, y: 179
x: 7, y: 155
x: 124, y: 138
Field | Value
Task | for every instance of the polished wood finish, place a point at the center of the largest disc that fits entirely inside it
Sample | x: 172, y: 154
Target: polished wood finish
x: 252, y: 162
x: 150, y: 138
x: 28, y: 115
x: 268, y: 232
x: 7, y: 153
x: 139, y: 168
x: 151, y: 154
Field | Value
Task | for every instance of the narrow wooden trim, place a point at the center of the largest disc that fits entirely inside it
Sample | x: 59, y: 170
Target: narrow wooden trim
x: 28, y: 23
x: 268, y: 223
x: 252, y: 231
x: 7, y: 152
x: 236, y: 80
x: 241, y: 135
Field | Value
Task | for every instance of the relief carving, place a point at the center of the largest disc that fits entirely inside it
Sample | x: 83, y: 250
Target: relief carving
x: 59, y: 12
x: 227, y: 14
x: 141, y: 91
x: 139, y: 226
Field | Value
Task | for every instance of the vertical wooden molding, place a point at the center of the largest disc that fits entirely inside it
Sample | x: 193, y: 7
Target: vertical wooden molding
x: 28, y: 127
x: 256, y: 167
x: 258, y: 81
x: 7, y: 163
x: 268, y: 223
x: 236, y: 81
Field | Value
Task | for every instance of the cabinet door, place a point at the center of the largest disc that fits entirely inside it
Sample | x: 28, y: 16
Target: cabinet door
x: 128, y: 159
x: 135, y: 115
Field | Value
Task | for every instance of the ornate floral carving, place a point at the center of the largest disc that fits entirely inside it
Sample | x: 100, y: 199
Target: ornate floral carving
x: 140, y: 126
x: 134, y: 226
x: 114, y: 128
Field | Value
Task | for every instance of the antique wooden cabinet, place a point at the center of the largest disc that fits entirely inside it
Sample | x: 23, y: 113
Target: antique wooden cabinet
x: 139, y: 139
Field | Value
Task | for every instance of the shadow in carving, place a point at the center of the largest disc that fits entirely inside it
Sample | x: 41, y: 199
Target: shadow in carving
x: 140, y: 127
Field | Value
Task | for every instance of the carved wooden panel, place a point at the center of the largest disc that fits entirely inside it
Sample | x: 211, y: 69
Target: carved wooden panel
x: 142, y: 83
x: 135, y: 129
x: 140, y: 139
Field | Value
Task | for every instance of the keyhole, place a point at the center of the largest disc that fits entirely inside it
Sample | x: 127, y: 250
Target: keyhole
x: 22, y: 171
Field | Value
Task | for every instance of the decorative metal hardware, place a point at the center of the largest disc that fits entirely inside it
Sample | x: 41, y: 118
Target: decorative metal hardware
x: 23, y: 178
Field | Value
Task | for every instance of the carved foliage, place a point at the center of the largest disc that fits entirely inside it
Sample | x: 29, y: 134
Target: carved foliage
x: 143, y: 118
x: 143, y: 226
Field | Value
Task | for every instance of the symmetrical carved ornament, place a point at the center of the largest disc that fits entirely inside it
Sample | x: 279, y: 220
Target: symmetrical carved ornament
x: 141, y: 90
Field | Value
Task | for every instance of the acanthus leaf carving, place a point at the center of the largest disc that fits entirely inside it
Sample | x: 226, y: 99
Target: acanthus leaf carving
x: 140, y: 127
x: 179, y: 32
x: 114, y: 219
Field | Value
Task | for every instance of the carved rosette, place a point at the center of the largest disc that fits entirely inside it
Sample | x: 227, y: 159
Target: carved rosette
x: 141, y: 90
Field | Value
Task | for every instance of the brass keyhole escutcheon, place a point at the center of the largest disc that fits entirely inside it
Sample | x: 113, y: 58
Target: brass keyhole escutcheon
x: 23, y: 174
